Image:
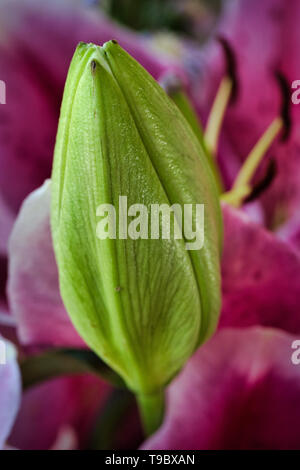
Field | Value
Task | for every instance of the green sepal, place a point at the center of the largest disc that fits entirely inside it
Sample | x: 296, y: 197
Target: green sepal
x: 142, y: 305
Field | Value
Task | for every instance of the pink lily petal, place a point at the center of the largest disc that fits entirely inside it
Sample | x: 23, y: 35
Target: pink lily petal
x: 239, y: 391
x: 10, y: 389
x: 33, y: 279
x: 59, y: 412
x: 264, y: 37
x: 260, y: 276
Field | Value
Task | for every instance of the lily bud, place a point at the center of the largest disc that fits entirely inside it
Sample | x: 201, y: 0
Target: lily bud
x: 142, y: 304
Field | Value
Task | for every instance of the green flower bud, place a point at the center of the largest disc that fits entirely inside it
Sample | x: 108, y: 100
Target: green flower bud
x: 143, y: 305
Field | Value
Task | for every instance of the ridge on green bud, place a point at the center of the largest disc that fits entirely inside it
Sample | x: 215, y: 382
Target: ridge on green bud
x: 143, y: 305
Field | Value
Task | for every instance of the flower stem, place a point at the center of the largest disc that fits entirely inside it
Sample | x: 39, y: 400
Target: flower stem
x: 151, y: 409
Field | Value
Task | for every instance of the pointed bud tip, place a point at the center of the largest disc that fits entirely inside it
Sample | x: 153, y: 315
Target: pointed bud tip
x: 82, y: 46
x: 109, y: 44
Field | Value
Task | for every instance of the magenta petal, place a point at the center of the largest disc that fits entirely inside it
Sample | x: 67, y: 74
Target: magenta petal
x: 10, y: 389
x: 59, y: 413
x: 33, y: 279
x: 239, y: 391
x: 260, y: 276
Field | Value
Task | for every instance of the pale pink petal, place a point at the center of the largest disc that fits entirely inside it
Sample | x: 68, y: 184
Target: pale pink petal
x: 33, y: 279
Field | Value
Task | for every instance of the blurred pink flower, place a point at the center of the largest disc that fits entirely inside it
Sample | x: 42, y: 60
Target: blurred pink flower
x: 239, y: 390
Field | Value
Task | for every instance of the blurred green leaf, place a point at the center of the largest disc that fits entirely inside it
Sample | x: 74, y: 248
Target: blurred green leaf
x: 57, y: 362
x: 175, y: 15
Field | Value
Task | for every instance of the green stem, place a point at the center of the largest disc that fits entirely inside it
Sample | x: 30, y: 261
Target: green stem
x: 151, y: 409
